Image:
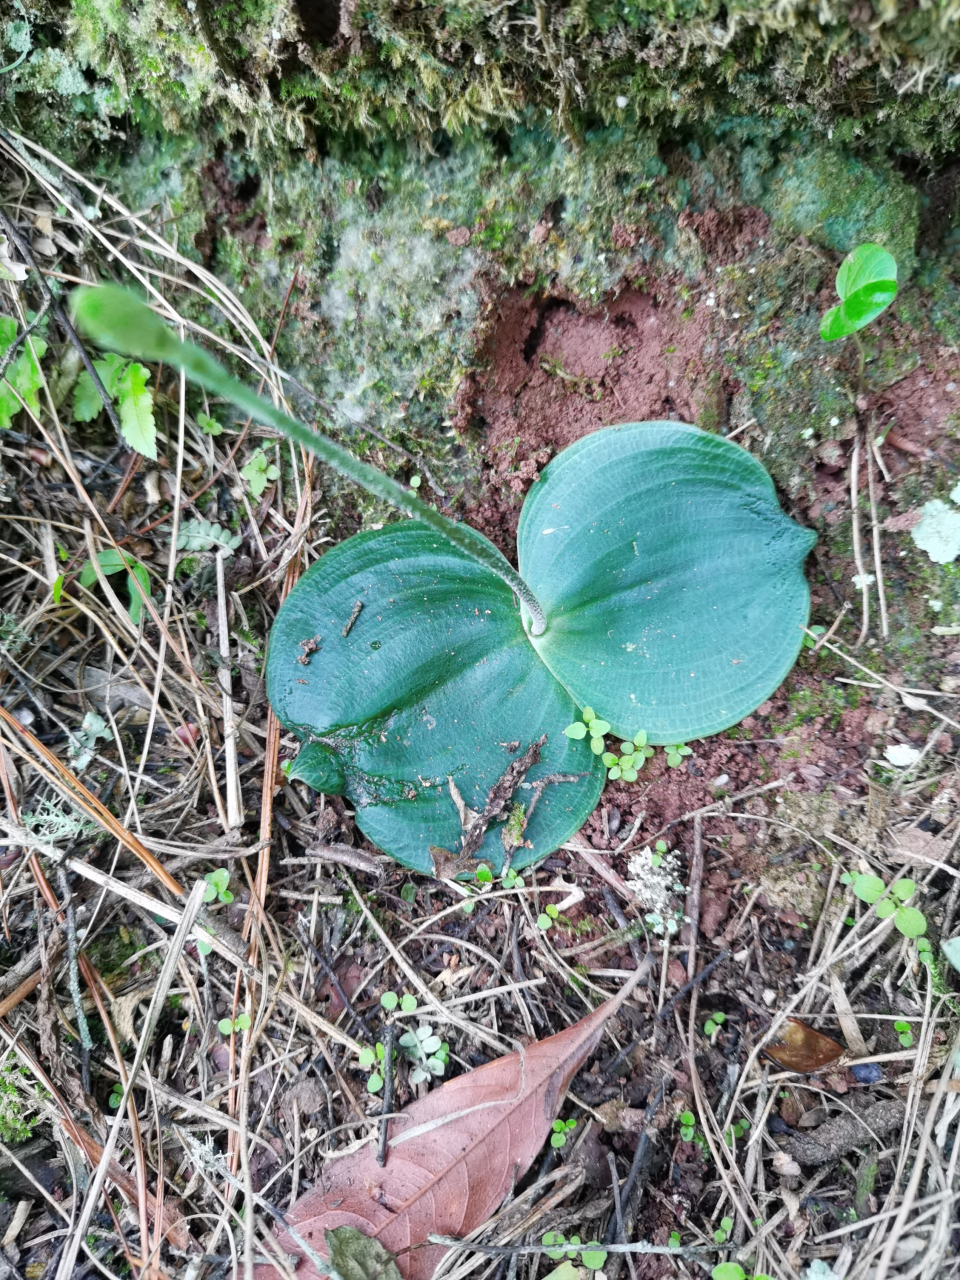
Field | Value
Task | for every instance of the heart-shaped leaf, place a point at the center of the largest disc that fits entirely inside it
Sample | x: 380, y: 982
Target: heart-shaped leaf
x: 672, y: 582
x: 434, y: 680
x: 866, y: 284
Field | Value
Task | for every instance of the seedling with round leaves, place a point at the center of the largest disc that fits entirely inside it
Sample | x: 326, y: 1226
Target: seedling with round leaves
x: 547, y: 917
x: 721, y: 1233
x: 688, y: 1125
x: 714, y: 1023
x: 561, y: 1128
x: 390, y: 1001
x: 217, y: 889
x: 428, y: 1053
x: 866, y: 285
x: 733, y: 1271
x: 372, y: 1060
x: 511, y: 880
x: 659, y: 584
x: 656, y: 858
x: 736, y: 1130
x: 904, y: 1034
x: 674, y: 1240
x: 227, y: 1026
x: 871, y: 890
x: 116, y: 1095
x: 592, y: 1255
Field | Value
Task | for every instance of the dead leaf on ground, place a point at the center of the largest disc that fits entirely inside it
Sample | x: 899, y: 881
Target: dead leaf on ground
x: 784, y: 1166
x: 453, y: 1155
x: 918, y: 848
x: 800, y: 1048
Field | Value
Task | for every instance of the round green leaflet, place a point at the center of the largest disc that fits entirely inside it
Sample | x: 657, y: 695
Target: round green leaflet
x: 671, y: 580
x: 435, y: 679
x: 866, y: 285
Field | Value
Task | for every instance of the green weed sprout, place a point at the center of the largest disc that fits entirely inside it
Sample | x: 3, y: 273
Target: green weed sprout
x: 558, y: 1138
x: 111, y: 562
x: 426, y: 1051
x: 633, y: 755
x: 259, y: 472
x: 714, y: 1023
x: 547, y: 916
x: 726, y: 1226
x: 217, y: 882
x: 656, y: 858
x: 866, y: 285
x: 674, y: 1241
x: 904, y: 1034
x: 688, y: 1123
x: 733, y: 1271
x: 676, y: 753
x: 511, y: 880
x: 592, y: 1255
x: 924, y: 951
x: 736, y: 1130
x: 409, y: 893
x: 370, y: 1058
x: 871, y: 890
x: 810, y: 641
x: 389, y: 1001
x: 116, y: 1095
x: 228, y: 1025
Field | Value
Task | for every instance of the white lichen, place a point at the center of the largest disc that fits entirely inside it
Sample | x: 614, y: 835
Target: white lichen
x: 655, y: 879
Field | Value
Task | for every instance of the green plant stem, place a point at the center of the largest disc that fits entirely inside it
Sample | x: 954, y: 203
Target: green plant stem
x: 120, y: 327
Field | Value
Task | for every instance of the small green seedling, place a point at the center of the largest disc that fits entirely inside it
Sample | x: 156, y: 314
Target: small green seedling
x: 736, y: 1130
x: 370, y: 1058
x: 924, y: 951
x: 733, y: 1271
x: 226, y: 1026
x: 126, y: 383
x: 726, y: 1226
x: 511, y: 880
x: 409, y: 892
x: 116, y: 1095
x: 547, y: 917
x: 656, y: 858
x: 871, y: 889
x: 904, y: 1034
x: 209, y: 426
x: 688, y: 1123
x: 217, y: 882
x: 258, y: 473
x: 810, y: 641
x: 112, y: 562
x: 674, y: 1241
x: 866, y: 285
x: 592, y: 1255
x: 389, y: 1001
x: 714, y: 1023
x: 676, y: 753
x: 558, y: 1138
x: 426, y: 1051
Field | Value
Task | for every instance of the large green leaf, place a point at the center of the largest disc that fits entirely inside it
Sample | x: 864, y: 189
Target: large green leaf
x: 672, y: 582
x: 435, y: 679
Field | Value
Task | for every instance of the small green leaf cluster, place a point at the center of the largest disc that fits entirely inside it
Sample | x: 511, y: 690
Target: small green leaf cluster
x: 904, y: 1034
x: 259, y: 472
x: 810, y: 641
x: 373, y: 1058
x: 125, y: 382
x: 116, y: 1095
x: 558, y: 1137
x: 633, y: 756
x: 688, y: 1122
x: 217, y: 889
x: 511, y: 880
x: 209, y: 426
x: 23, y: 376
x: 547, y: 916
x: 589, y: 723
x: 656, y: 858
x: 204, y: 535
x: 726, y: 1226
x: 674, y: 1241
x: 871, y: 889
x: 226, y: 1026
x: 426, y: 1051
x: 111, y: 562
x: 866, y: 285
x: 389, y: 1001
x: 714, y: 1023
x: 592, y: 1255
x: 736, y: 1130
x: 676, y: 753
x: 733, y: 1271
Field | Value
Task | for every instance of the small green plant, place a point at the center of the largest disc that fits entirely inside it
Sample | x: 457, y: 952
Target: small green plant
x: 409, y: 893
x: 259, y: 472
x: 547, y: 916
x: 726, y: 1226
x: 370, y: 1058
x: 736, y: 1130
x: 871, y: 890
x: 866, y: 285
x: 688, y: 1122
x: 112, y: 562
x: 714, y: 1023
x: 204, y: 535
x: 428, y: 1053
x: 810, y: 641
x: 116, y: 1096
x: 676, y: 753
x: 592, y: 1255
x: 656, y: 858
x: 217, y: 889
x: 23, y: 376
x: 226, y: 1026
x: 674, y: 1241
x: 904, y: 1034
x: 511, y: 880
x: 558, y: 1138
x: 125, y: 382
x: 390, y: 1000
x: 733, y: 1271
x: 924, y: 951
x: 209, y: 426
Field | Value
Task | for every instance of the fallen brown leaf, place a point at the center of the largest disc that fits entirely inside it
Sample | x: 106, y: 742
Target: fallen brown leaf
x: 453, y: 1155
x: 800, y: 1048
